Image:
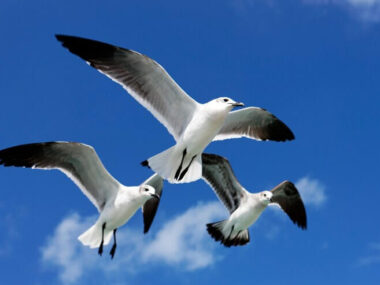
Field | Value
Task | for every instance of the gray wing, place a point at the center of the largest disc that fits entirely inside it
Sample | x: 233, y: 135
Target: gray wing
x: 78, y: 161
x: 217, y: 172
x: 254, y: 123
x: 287, y: 197
x: 142, y: 77
x: 150, y: 207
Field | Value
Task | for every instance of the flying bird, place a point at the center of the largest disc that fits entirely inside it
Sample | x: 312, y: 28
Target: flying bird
x: 193, y: 125
x: 115, y: 202
x: 245, y: 207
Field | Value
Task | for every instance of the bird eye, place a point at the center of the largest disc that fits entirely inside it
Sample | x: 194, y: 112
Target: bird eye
x: 146, y: 189
x: 225, y: 100
x: 265, y: 195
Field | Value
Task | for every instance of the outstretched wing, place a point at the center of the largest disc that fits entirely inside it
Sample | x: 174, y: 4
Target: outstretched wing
x: 217, y: 172
x: 141, y: 76
x: 78, y: 161
x: 288, y: 198
x: 254, y: 123
x: 150, y: 207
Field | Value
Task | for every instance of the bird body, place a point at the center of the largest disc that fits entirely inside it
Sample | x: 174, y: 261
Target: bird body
x: 115, y: 213
x: 233, y: 231
x: 248, y: 212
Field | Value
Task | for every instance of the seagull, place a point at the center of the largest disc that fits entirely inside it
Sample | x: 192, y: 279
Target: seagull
x: 115, y: 202
x: 245, y: 207
x: 193, y: 125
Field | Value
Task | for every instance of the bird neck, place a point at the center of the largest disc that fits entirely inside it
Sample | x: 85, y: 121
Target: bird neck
x: 257, y: 202
x: 129, y: 194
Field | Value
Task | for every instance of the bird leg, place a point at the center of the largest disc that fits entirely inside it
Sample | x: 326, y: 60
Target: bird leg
x: 100, y: 251
x: 186, y: 169
x: 113, y: 249
x: 180, y: 166
x: 232, y: 229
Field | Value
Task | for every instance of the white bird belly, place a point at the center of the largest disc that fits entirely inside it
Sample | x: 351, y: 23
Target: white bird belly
x: 201, y: 131
x: 245, y: 216
x: 118, y: 214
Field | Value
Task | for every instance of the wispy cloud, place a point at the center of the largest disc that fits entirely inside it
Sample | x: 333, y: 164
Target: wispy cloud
x: 365, y: 10
x: 312, y: 191
x: 181, y: 242
x: 10, y: 221
x: 372, y: 258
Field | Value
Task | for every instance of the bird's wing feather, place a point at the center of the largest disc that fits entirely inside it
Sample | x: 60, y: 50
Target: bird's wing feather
x: 254, y: 123
x: 217, y: 172
x: 142, y: 77
x: 150, y: 207
x: 288, y: 198
x: 78, y: 161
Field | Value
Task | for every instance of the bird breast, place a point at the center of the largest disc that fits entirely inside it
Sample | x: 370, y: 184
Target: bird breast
x: 121, y: 210
x: 247, y: 214
x: 203, y: 127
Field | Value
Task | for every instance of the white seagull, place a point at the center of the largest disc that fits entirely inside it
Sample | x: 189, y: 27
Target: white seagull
x: 115, y: 202
x: 245, y: 207
x: 193, y: 125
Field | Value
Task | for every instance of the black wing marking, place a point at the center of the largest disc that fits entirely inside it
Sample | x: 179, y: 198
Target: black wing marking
x: 78, y: 161
x: 288, y: 198
x: 150, y: 207
x: 255, y: 123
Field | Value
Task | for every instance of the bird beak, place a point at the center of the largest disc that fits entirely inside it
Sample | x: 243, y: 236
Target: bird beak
x: 238, y: 104
x: 155, y: 196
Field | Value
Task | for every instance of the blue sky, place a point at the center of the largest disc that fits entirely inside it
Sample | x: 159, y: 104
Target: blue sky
x: 312, y: 63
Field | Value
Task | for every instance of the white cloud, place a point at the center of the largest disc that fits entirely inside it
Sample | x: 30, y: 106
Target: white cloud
x: 62, y: 249
x: 312, y: 191
x: 9, y: 220
x: 365, y: 10
x: 372, y: 258
x: 182, y: 241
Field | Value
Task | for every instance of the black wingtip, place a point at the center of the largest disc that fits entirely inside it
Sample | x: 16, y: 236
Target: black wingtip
x: 149, y: 212
x: 281, y: 132
x: 86, y: 49
x: 145, y: 163
x: 60, y: 37
x: 297, y: 212
x: 26, y: 155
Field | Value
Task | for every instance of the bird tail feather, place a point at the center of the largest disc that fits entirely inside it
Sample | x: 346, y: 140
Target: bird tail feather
x: 219, y: 233
x: 93, y: 236
x: 166, y: 164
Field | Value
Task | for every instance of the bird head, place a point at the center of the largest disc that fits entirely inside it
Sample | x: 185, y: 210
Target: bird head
x: 266, y: 197
x: 148, y: 191
x: 227, y: 103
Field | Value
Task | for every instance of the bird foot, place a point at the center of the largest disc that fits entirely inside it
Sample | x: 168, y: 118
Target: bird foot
x: 113, y: 250
x: 100, y: 251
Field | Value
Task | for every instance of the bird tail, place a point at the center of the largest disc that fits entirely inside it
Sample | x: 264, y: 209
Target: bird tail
x: 220, y: 233
x: 167, y: 165
x: 93, y: 236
